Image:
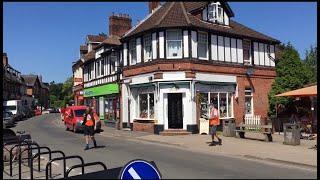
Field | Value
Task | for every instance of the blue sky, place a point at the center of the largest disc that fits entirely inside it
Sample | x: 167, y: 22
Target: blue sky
x: 44, y: 38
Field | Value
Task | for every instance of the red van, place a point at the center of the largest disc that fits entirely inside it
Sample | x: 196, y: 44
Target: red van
x: 73, y: 118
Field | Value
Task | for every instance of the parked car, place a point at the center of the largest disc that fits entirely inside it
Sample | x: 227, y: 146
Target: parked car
x: 8, y: 119
x: 14, y: 106
x: 73, y: 118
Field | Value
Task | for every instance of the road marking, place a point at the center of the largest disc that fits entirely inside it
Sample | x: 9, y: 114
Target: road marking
x: 134, y: 174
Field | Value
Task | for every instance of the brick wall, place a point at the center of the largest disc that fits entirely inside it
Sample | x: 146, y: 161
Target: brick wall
x: 143, y: 126
x: 261, y: 86
x: 119, y: 24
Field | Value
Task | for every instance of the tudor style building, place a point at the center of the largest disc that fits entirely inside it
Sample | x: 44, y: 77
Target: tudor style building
x: 185, y: 55
x: 101, y: 71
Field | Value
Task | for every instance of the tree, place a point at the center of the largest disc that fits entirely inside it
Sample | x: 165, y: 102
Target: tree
x: 61, y: 93
x: 291, y: 74
x: 311, y: 63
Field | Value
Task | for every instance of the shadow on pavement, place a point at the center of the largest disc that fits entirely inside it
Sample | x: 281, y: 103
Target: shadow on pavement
x: 105, y: 174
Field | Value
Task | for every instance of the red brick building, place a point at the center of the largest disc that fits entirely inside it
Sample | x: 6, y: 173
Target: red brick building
x: 186, y: 55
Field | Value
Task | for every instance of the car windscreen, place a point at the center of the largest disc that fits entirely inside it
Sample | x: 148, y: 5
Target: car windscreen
x: 9, y: 108
x: 79, y: 112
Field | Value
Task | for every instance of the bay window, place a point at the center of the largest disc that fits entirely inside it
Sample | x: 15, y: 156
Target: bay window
x: 203, y: 45
x: 146, y: 106
x: 133, y: 51
x: 174, y: 43
x: 147, y: 47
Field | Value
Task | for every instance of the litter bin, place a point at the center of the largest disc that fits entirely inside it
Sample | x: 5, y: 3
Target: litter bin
x: 229, y: 127
x: 291, y: 133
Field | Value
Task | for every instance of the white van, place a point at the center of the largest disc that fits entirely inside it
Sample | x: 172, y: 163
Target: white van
x: 14, y: 106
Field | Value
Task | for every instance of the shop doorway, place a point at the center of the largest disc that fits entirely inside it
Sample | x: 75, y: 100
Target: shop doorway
x: 175, y: 111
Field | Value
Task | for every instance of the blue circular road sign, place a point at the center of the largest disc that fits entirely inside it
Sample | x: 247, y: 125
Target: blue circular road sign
x: 140, y: 169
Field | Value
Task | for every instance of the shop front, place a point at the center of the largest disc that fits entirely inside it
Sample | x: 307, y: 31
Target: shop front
x: 172, y: 103
x: 105, y: 101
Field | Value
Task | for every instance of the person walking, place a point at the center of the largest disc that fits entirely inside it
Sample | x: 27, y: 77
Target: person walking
x: 89, y: 124
x: 213, y: 123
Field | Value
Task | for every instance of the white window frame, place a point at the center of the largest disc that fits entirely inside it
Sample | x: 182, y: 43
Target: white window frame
x: 231, y: 115
x: 215, y: 9
x: 133, y: 49
x: 251, y: 95
x: 167, y: 49
x: 206, y: 45
x: 145, y: 57
x: 148, y: 102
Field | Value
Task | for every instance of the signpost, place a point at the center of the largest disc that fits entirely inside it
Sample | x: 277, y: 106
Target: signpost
x: 140, y: 169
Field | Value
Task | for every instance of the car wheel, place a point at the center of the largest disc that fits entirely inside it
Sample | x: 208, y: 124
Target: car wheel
x: 67, y: 129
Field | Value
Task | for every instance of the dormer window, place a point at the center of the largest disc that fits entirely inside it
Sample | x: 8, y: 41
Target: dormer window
x: 215, y: 12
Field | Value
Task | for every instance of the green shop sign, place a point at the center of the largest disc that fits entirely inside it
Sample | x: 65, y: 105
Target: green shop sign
x: 101, y: 90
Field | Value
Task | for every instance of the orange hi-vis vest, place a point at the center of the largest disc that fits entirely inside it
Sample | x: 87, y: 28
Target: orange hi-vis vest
x: 214, y: 118
x: 89, y: 121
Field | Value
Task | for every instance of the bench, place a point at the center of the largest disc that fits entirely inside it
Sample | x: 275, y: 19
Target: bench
x: 253, y: 124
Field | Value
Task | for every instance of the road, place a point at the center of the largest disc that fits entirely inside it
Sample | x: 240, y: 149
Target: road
x: 172, y: 162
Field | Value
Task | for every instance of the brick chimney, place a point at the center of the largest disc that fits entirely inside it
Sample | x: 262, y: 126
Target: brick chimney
x: 119, y: 24
x: 153, y: 5
x: 5, y: 59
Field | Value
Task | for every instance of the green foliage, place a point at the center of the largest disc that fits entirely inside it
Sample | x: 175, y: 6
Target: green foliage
x: 311, y: 63
x: 61, y: 93
x: 291, y: 74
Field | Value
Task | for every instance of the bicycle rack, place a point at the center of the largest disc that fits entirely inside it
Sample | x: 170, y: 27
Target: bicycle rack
x: 64, y: 164
x: 85, y: 165
x: 38, y: 154
x: 19, y: 145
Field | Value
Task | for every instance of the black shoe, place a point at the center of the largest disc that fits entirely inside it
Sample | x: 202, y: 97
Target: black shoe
x: 86, y: 148
x: 212, y: 144
x: 220, y: 141
x: 95, y: 143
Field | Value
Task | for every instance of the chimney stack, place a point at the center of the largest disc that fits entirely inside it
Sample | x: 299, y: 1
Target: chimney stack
x: 153, y: 5
x: 5, y: 59
x: 119, y: 24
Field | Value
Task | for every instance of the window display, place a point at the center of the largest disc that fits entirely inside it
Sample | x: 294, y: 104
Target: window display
x: 146, y: 106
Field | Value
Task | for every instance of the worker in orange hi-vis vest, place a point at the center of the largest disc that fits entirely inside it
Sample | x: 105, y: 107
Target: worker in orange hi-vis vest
x: 214, y: 121
x: 89, y: 123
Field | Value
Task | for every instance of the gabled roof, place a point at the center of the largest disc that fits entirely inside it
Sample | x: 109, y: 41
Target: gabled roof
x: 194, y: 6
x: 177, y: 14
x: 96, y: 38
x: 111, y: 40
x: 30, y: 79
x: 90, y: 55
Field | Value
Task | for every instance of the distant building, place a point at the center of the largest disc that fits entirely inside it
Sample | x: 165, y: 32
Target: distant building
x: 13, y: 83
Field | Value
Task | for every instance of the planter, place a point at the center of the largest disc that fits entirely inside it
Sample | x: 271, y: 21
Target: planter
x: 143, y: 125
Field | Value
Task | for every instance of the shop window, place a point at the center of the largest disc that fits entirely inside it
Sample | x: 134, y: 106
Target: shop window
x: 248, y: 101
x: 146, y: 106
x: 174, y: 44
x: 223, y: 105
x: 203, y: 98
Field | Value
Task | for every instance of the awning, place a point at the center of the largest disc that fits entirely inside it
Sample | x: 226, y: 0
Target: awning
x: 307, y: 91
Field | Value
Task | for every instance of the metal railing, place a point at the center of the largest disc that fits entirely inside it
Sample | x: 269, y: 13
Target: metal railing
x: 38, y: 154
x: 24, y: 143
x: 85, y: 165
x: 64, y: 164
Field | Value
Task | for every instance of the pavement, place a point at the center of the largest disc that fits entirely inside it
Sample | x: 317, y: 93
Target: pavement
x: 251, y: 147
x: 174, y: 159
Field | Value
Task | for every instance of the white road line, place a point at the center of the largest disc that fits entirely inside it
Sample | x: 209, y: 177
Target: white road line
x: 133, y: 173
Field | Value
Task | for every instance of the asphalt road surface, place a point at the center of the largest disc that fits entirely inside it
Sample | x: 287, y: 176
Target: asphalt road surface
x: 172, y: 162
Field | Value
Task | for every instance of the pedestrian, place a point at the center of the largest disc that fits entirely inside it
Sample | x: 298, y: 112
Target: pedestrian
x: 213, y: 123
x: 89, y: 124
